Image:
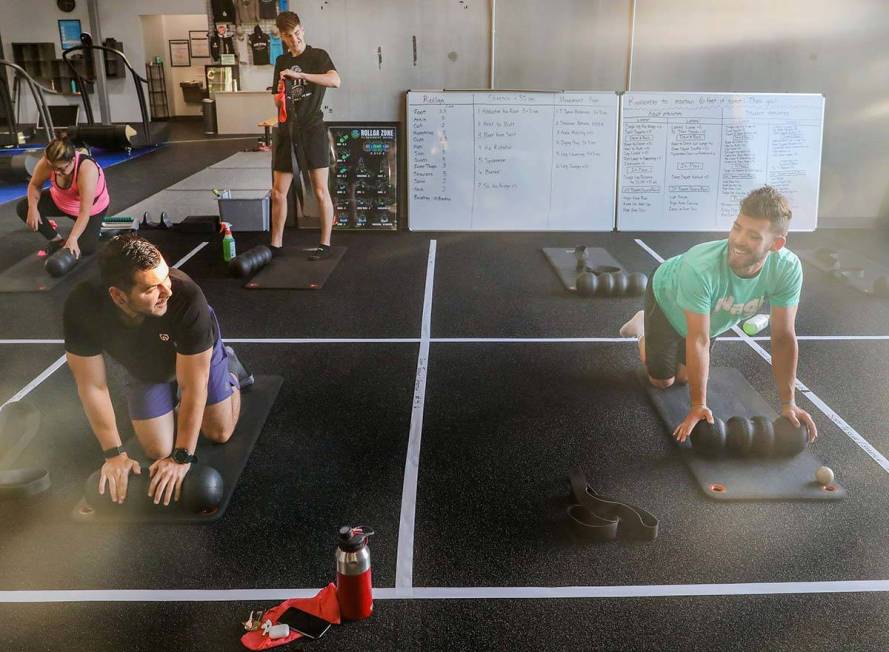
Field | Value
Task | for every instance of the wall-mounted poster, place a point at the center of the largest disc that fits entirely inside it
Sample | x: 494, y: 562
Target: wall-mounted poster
x: 69, y: 33
x: 179, y: 56
x: 199, y: 45
x: 364, y: 179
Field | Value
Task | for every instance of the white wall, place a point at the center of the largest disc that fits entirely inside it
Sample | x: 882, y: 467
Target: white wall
x: 18, y: 24
x: 825, y: 46
x: 813, y: 46
x: 25, y: 21
x: 793, y: 46
x: 157, y: 31
x: 122, y: 20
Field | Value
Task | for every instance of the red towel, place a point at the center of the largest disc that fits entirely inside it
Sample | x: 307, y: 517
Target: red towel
x: 282, y: 106
x: 324, y: 605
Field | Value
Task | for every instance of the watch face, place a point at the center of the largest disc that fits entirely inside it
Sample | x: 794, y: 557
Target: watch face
x: 66, y: 5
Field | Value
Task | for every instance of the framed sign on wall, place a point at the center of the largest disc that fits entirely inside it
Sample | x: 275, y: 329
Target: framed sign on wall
x: 179, y: 54
x: 69, y: 33
x: 198, y: 45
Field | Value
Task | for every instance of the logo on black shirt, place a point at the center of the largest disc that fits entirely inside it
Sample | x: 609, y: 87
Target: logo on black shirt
x: 164, y: 337
x: 298, y: 89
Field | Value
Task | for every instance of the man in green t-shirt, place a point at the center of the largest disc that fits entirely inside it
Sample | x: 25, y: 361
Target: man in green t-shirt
x: 696, y: 296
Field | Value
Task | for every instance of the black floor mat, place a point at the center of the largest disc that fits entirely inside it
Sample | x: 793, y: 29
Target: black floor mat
x: 292, y: 270
x: 851, y: 268
x: 565, y: 263
x: 229, y: 459
x: 28, y: 274
x: 727, y: 478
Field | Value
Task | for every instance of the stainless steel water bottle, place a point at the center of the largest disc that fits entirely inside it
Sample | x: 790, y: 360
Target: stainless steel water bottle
x: 354, y: 587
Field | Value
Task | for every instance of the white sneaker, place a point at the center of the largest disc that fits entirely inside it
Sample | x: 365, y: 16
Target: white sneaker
x: 635, y: 327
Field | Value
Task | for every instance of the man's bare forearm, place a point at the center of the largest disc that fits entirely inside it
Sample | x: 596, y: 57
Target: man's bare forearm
x: 785, y: 354
x: 697, y: 366
x: 96, y: 403
x: 191, y: 413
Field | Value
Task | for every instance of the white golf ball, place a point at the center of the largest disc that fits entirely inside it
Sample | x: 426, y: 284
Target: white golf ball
x: 824, y: 475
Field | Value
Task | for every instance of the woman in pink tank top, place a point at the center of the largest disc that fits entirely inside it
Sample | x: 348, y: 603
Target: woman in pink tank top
x: 77, y: 190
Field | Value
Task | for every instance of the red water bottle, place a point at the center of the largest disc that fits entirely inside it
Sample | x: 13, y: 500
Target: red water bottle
x: 354, y: 588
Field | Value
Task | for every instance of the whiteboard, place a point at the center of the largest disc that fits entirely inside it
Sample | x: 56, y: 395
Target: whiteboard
x: 511, y: 160
x: 688, y: 159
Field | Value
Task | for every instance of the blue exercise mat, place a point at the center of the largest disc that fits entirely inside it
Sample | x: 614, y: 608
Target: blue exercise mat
x: 107, y: 159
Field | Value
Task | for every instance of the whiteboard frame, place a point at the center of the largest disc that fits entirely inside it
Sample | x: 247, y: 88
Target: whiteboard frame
x: 409, y: 209
x: 673, y: 229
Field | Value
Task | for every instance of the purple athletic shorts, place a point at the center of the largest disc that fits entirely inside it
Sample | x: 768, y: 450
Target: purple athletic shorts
x: 148, y: 400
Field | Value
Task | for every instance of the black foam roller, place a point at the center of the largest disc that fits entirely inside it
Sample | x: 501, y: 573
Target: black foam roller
x: 708, y: 439
x: 789, y: 440
x: 250, y: 261
x: 605, y: 286
x: 619, y: 284
x: 636, y: 284
x: 586, y: 284
x: 60, y: 263
x: 738, y: 436
x: 763, y: 437
x: 202, y: 491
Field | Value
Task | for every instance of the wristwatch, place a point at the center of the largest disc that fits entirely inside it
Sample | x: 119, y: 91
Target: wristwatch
x: 114, y: 451
x: 182, y: 456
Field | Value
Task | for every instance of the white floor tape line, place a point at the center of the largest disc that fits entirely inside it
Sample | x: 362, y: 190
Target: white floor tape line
x: 485, y: 340
x: 404, y: 567
x: 455, y: 592
x: 825, y: 409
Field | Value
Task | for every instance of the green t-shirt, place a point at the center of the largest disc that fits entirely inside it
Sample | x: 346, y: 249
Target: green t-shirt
x: 701, y: 281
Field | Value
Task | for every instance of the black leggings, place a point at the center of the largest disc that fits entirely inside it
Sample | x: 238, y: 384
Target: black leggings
x: 47, y: 208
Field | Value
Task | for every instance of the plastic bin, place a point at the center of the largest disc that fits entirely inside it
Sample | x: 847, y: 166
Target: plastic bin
x: 246, y: 210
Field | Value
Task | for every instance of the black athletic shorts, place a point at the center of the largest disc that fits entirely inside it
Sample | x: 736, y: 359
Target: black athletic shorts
x: 309, y: 144
x: 664, y: 347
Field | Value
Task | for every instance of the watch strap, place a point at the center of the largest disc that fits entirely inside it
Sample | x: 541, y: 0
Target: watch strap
x: 114, y: 451
x: 182, y: 456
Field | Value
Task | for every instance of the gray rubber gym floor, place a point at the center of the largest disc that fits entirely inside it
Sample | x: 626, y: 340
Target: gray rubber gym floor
x: 462, y: 353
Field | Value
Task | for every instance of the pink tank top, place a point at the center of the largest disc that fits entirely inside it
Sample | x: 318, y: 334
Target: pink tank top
x: 68, y: 199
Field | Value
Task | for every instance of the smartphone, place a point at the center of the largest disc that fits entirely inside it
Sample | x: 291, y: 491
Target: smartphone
x: 304, y: 622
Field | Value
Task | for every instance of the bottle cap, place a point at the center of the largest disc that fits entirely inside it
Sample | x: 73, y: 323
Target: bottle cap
x: 353, y: 539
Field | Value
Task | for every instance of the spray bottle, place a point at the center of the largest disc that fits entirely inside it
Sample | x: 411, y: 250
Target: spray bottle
x: 228, y: 241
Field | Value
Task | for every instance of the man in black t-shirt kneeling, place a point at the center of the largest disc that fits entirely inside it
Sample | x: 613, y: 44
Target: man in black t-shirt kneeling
x: 302, y: 74
x: 155, y: 321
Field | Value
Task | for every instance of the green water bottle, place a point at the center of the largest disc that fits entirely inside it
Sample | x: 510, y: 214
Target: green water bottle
x: 228, y: 242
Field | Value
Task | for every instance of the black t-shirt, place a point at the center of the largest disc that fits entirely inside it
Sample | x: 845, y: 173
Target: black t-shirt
x: 94, y: 324
x: 268, y: 9
x: 223, y: 11
x: 259, y: 43
x: 303, y: 98
x: 221, y: 45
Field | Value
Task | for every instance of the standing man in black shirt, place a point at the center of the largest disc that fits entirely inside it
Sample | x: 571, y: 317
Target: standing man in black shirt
x: 155, y: 322
x: 303, y: 73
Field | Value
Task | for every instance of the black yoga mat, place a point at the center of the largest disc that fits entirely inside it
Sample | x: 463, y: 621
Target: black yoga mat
x: 851, y: 268
x: 28, y: 274
x: 739, y: 478
x: 229, y: 459
x: 564, y: 262
x: 292, y: 270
